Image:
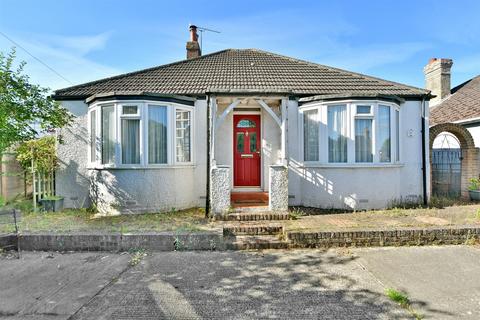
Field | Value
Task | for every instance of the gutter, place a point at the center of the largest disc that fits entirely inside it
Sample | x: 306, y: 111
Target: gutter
x: 424, y: 157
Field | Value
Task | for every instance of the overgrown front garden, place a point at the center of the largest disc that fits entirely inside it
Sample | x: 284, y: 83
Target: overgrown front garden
x: 441, y: 213
x: 86, y: 221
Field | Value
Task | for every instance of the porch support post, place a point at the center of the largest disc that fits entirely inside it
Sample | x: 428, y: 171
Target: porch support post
x: 214, y: 129
x: 284, y: 127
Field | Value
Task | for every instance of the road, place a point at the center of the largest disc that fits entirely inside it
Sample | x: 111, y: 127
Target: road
x: 441, y: 283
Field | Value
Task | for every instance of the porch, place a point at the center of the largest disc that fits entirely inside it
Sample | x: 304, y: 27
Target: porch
x: 247, y: 152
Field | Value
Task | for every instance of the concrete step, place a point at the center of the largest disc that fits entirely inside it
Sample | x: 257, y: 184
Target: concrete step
x: 256, y: 243
x: 256, y: 216
x: 252, y: 229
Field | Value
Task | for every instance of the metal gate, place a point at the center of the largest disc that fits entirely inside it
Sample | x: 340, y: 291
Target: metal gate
x: 446, y: 172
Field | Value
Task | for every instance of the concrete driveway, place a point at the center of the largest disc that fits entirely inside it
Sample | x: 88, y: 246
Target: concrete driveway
x: 442, y: 282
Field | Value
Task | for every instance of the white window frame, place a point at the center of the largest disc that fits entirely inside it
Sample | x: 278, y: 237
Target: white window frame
x: 351, y: 116
x: 142, y: 115
x: 192, y: 130
x: 137, y: 116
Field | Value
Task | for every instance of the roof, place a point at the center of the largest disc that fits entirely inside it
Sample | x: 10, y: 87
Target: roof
x: 462, y: 104
x: 242, y: 70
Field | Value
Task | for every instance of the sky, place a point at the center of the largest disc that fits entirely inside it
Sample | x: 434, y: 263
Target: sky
x: 86, y: 40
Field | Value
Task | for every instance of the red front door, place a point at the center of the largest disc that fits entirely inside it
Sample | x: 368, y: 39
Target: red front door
x: 246, y: 150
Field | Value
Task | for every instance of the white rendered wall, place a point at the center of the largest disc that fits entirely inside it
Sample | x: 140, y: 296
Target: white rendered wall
x: 475, y: 132
x: 357, y: 187
x: 129, y: 190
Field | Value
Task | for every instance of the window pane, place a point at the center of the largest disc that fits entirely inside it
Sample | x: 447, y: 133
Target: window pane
x: 363, y: 109
x: 130, y: 141
x: 337, y: 133
x: 310, y: 135
x: 253, y: 142
x: 93, y: 136
x: 108, y: 134
x: 384, y: 133
x: 129, y: 110
x: 397, y: 135
x: 183, y: 136
x: 157, y: 134
x: 245, y: 123
x: 240, y: 142
x: 363, y: 140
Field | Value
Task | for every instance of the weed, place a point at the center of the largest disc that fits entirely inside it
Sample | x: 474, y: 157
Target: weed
x: 2, y: 201
x: 477, y: 214
x: 296, y: 213
x: 402, y: 299
x: 398, y: 297
x: 178, y: 244
x: 137, y: 256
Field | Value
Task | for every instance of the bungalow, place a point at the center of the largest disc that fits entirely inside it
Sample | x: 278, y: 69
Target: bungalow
x: 242, y: 126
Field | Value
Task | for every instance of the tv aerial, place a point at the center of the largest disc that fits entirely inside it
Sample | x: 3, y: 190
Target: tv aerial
x: 202, y: 30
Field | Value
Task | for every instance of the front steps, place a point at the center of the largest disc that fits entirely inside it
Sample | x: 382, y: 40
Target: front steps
x: 249, y: 199
x: 250, y: 229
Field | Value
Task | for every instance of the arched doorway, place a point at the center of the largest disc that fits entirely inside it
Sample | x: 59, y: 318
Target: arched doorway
x: 451, y: 168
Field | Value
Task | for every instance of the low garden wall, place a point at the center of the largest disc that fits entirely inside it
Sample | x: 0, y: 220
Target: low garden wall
x: 375, y: 238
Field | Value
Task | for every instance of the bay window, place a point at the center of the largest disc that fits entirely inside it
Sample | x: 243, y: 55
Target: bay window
x: 351, y: 132
x: 140, y: 134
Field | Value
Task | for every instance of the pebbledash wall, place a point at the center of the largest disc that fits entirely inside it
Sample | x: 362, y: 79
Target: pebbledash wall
x: 157, y: 189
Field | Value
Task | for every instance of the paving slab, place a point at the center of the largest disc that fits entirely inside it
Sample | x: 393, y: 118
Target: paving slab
x: 42, y: 285
x: 443, y: 282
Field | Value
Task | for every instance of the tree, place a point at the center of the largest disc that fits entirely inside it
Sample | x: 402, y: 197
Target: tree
x: 26, y: 110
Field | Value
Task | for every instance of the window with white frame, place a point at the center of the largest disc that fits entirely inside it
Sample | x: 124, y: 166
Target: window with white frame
x: 107, y: 130
x: 144, y: 133
x: 310, y: 135
x: 130, y: 134
x: 362, y: 132
x: 182, y: 138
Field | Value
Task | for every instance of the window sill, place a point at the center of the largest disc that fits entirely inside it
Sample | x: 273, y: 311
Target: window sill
x: 150, y: 167
x: 351, y: 165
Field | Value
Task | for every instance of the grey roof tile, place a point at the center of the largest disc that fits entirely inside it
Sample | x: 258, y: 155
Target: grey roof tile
x: 242, y: 69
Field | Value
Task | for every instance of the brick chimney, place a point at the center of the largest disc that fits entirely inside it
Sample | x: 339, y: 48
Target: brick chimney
x: 437, y: 78
x: 193, y: 48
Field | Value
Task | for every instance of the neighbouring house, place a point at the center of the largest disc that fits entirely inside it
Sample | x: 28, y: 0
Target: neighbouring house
x: 243, y: 126
x: 460, y: 104
x: 455, y: 129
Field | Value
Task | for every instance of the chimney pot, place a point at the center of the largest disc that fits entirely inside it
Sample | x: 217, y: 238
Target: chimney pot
x: 437, y: 78
x: 193, y: 48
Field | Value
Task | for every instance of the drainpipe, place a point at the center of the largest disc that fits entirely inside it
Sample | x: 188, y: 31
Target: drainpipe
x: 424, y: 158
x: 207, y: 201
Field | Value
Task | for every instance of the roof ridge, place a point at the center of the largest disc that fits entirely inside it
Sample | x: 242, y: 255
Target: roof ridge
x: 340, y: 70
x: 461, y: 85
x: 119, y: 76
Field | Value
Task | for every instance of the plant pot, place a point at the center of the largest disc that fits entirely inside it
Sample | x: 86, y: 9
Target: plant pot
x: 52, y: 205
x: 474, y: 195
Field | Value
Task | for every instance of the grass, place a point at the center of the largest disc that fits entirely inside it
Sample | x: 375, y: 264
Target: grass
x: 457, y: 213
x: 83, y: 220
x: 403, y: 300
x: 137, y: 256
